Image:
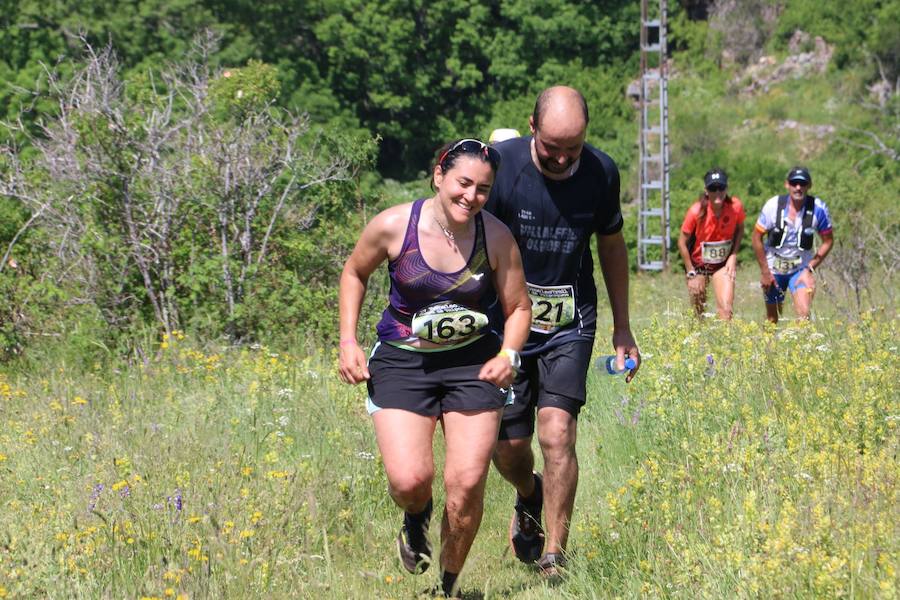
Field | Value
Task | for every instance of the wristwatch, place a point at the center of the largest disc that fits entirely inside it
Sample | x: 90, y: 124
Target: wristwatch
x: 691, y: 274
x: 515, y: 360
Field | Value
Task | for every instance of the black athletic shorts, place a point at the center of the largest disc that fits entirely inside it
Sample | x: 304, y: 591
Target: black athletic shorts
x: 432, y: 383
x: 556, y: 377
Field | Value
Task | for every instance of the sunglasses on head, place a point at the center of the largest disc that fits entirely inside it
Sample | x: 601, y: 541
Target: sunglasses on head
x: 472, y: 146
x: 716, y: 187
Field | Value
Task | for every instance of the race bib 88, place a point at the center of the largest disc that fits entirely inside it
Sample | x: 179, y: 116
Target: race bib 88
x: 447, y: 323
x: 552, y: 307
x: 714, y: 253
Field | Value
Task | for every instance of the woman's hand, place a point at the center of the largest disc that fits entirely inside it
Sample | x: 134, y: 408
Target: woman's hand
x: 353, y: 368
x: 498, y: 371
x: 731, y: 266
x: 696, y: 284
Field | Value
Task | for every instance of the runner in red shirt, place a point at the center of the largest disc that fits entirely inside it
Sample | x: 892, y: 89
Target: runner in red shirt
x: 709, y: 243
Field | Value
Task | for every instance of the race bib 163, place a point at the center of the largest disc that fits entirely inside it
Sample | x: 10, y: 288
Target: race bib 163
x: 447, y: 323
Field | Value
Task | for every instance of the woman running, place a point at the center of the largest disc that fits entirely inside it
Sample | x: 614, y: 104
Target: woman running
x: 436, y: 358
x: 709, y: 243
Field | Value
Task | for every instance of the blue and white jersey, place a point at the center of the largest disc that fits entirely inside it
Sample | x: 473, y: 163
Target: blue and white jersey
x: 790, y: 257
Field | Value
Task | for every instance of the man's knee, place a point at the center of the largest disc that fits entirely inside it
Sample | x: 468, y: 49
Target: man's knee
x: 557, y: 433
x: 510, y: 453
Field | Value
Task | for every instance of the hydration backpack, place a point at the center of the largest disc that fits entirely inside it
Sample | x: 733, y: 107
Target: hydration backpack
x: 778, y: 234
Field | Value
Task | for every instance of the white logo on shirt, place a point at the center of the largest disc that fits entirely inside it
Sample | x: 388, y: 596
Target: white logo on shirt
x: 525, y: 214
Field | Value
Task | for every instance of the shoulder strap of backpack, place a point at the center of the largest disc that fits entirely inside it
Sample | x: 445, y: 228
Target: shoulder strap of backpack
x: 779, y: 214
x: 809, y: 209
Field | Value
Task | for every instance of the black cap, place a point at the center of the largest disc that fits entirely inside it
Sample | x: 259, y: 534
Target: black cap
x: 715, y: 177
x: 799, y: 174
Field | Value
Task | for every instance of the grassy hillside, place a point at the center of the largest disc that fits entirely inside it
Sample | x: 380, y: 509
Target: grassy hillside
x: 741, y: 462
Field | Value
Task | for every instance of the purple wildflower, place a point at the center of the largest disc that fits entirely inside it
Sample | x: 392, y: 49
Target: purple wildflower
x: 175, y: 500
x: 95, y: 495
x: 711, y: 369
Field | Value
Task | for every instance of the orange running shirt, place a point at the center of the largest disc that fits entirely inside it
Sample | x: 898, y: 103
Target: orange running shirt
x: 712, y: 229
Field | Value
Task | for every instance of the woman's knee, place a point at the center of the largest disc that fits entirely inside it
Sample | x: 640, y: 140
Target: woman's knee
x: 466, y: 480
x: 697, y: 292
x: 409, y: 487
x: 465, y: 497
x: 725, y: 307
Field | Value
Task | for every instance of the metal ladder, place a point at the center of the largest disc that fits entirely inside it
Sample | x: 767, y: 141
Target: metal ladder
x: 653, y: 185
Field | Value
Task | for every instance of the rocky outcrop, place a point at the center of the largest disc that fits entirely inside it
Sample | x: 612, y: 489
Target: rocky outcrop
x: 767, y: 71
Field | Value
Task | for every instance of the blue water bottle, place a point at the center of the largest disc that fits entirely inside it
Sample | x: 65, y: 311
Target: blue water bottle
x: 608, y: 364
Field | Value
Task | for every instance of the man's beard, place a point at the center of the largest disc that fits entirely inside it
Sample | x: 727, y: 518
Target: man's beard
x: 554, y: 167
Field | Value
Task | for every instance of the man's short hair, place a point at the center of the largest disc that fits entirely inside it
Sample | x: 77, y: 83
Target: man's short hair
x: 543, y: 99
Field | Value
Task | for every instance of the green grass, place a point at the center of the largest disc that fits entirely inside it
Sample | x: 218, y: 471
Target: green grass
x: 771, y: 473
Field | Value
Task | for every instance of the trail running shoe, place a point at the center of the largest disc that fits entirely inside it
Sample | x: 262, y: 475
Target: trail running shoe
x: 413, y: 545
x: 552, y: 565
x: 435, y: 591
x: 526, y: 536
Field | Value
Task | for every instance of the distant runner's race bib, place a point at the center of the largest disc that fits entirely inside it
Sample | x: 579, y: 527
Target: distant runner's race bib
x: 552, y: 307
x: 784, y: 265
x: 715, y: 253
x: 447, y: 323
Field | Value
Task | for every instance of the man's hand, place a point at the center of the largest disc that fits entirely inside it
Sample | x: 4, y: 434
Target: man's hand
x: 623, y: 342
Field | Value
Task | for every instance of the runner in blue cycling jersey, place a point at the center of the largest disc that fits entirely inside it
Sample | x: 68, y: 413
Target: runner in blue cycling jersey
x: 783, y: 243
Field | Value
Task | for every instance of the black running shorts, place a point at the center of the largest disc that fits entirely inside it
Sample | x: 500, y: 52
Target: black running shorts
x: 432, y: 383
x: 556, y: 377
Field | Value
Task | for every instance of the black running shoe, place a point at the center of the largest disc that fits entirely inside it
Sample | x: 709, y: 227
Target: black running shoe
x: 526, y: 536
x: 412, y: 542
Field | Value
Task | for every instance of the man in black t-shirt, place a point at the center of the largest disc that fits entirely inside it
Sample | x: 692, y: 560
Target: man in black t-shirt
x: 554, y: 192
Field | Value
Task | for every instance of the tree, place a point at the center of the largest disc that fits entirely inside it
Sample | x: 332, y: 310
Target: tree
x: 138, y: 181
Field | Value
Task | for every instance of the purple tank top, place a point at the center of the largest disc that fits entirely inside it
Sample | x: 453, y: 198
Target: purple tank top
x: 415, y: 285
